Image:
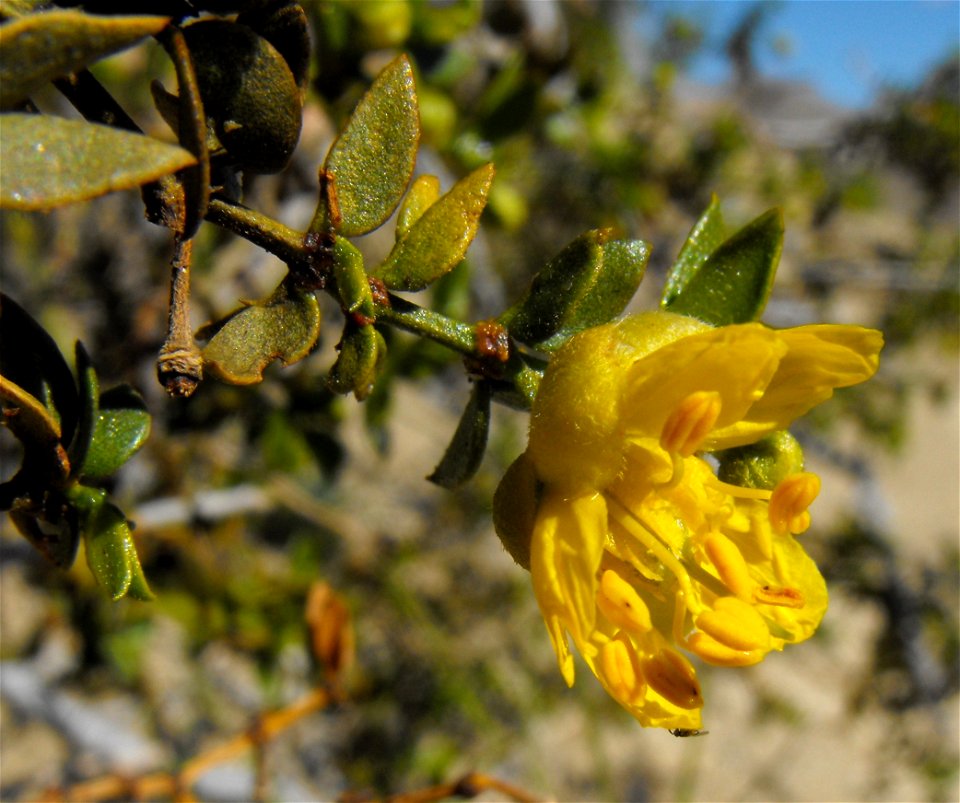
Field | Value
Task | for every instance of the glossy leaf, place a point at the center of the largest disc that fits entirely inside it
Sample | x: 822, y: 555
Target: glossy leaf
x: 422, y: 194
x: 733, y: 283
x: 108, y: 541
x: 465, y: 452
x: 121, y: 428
x: 705, y: 236
x: 284, y: 326
x: 30, y: 358
x: 49, y: 161
x: 37, y: 48
x: 353, y: 287
x: 588, y: 283
x: 440, y: 237
x: 372, y: 160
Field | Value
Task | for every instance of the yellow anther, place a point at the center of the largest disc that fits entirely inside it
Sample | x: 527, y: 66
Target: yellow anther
x: 735, y: 624
x: 731, y: 566
x: 713, y: 652
x: 670, y: 675
x: 790, y: 500
x: 775, y: 595
x: 690, y: 422
x: 620, y: 603
x: 620, y: 671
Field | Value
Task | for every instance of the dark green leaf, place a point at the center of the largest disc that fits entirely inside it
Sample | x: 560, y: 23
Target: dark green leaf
x: 89, y: 387
x: 588, y: 283
x: 30, y: 358
x: 439, y: 239
x: 122, y: 427
x: 372, y: 160
x: 707, y: 233
x: 285, y: 27
x: 49, y: 161
x: 733, y: 284
x: 284, y: 326
x: 465, y: 452
x: 37, y: 48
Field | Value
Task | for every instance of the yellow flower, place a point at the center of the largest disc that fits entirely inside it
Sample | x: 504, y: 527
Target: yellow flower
x: 636, y: 549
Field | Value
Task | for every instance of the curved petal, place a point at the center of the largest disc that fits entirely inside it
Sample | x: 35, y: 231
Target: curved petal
x: 735, y: 361
x: 818, y: 359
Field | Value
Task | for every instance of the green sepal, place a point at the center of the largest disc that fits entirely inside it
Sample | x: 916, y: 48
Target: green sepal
x: 362, y: 351
x: 284, y: 326
x: 465, y: 452
x: 108, y: 542
x: 515, y: 504
x: 733, y: 283
x: 439, y: 239
x: 50, y: 161
x: 764, y: 464
x: 372, y: 160
x: 37, y: 48
x: 121, y: 428
x: 353, y: 286
x: 587, y: 284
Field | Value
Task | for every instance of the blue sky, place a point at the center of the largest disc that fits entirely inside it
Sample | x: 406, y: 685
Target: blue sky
x: 846, y: 48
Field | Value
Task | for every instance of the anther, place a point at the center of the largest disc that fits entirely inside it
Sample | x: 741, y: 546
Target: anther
x: 731, y: 566
x: 620, y: 603
x: 775, y: 595
x: 670, y: 675
x: 790, y: 500
x: 714, y: 652
x: 690, y: 422
x: 620, y: 671
x: 735, y: 624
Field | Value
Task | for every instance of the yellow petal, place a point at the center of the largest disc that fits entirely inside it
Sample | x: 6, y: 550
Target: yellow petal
x: 736, y: 362
x: 819, y: 359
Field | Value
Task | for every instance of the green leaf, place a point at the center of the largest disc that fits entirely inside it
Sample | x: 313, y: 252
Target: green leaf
x: 588, y: 283
x: 49, y: 161
x: 465, y: 452
x: 733, y: 283
x: 707, y: 233
x: 284, y: 326
x: 353, y: 286
x: 284, y: 26
x: 30, y: 357
x: 440, y: 237
x: 122, y: 427
x: 89, y: 387
x: 37, y: 48
x: 108, y: 541
x: 372, y: 160
x: 362, y: 352
x: 422, y: 194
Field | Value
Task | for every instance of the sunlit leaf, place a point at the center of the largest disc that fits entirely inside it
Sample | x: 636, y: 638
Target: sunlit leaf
x: 422, y: 194
x: 707, y: 233
x: 37, y: 48
x: 285, y: 326
x: 733, y: 283
x: 362, y: 352
x: 372, y: 160
x: 49, y: 161
x: 440, y: 237
x: 121, y: 428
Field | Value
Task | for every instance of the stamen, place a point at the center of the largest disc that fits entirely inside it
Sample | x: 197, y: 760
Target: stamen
x: 690, y: 422
x: 782, y: 597
x: 790, y: 500
x: 670, y: 675
x: 713, y: 652
x: 621, y: 604
x: 620, y: 669
x: 730, y: 565
x: 735, y: 624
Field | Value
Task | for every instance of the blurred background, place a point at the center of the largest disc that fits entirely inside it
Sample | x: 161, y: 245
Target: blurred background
x: 627, y: 115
